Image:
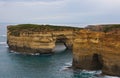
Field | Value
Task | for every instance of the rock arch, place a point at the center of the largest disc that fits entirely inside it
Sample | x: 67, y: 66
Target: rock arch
x: 97, y: 50
x: 63, y: 39
x: 91, y: 50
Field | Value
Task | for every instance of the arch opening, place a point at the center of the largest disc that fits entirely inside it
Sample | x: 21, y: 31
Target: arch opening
x: 60, y: 44
x: 59, y: 47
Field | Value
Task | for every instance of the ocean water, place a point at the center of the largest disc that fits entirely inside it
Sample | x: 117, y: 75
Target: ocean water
x: 14, y: 65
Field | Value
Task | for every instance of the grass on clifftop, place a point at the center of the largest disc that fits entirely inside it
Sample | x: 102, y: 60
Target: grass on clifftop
x: 36, y: 27
x: 16, y: 29
x: 111, y: 27
x: 104, y: 27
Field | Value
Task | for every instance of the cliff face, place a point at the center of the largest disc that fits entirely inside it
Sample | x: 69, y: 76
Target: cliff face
x: 31, y: 43
x: 39, y: 41
x: 97, y: 50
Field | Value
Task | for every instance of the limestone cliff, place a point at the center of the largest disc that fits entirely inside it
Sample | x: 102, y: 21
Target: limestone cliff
x: 97, y: 50
x: 92, y: 50
x: 30, y: 38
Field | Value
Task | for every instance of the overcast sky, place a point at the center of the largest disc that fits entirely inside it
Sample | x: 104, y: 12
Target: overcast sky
x: 60, y: 11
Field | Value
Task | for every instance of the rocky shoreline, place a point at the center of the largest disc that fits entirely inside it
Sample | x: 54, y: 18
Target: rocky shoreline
x: 93, y: 49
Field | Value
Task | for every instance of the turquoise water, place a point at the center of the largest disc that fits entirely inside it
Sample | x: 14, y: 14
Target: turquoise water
x: 14, y: 65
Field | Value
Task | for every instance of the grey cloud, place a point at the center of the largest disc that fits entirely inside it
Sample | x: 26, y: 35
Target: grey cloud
x: 61, y: 11
x: 27, y: 0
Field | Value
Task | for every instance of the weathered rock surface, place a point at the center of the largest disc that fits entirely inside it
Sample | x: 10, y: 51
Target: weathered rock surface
x: 27, y: 40
x: 97, y: 50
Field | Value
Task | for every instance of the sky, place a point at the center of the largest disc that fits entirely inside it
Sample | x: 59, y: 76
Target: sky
x: 60, y: 11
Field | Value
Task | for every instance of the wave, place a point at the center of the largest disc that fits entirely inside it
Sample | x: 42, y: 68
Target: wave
x: 67, y: 66
x: 2, y: 43
x: 96, y: 74
x: 35, y: 54
x: 111, y: 77
x: 3, y: 35
x: 90, y: 74
x: 6, y: 46
x: 24, y: 53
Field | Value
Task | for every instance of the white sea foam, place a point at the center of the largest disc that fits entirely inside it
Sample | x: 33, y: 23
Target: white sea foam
x: 14, y: 52
x: 68, y: 63
x: 7, y: 46
x: 3, y: 35
x: 37, y: 53
x: 24, y: 53
x: 96, y: 72
x: 111, y: 77
x: 2, y: 43
x: 66, y: 66
x: 34, y: 54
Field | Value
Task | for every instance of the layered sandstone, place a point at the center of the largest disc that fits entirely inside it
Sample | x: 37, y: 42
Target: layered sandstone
x: 29, y: 38
x: 31, y: 42
x: 97, y: 50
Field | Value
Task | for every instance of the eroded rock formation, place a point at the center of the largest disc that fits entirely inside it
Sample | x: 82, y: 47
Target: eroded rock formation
x: 97, y: 50
x: 26, y: 39
x: 92, y: 50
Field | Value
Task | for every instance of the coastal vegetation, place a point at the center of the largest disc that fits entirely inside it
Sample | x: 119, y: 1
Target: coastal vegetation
x: 16, y: 29
x: 104, y: 28
x: 111, y: 27
x: 35, y: 27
